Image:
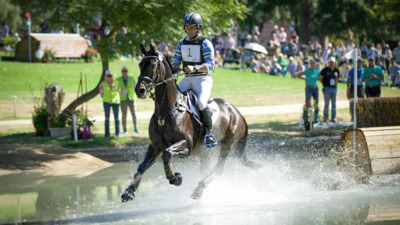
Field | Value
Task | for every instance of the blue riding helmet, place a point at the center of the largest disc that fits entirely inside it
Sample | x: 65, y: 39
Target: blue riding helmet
x: 192, y: 19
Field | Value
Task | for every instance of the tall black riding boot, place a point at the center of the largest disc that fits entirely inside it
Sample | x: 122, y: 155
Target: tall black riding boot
x: 209, y: 139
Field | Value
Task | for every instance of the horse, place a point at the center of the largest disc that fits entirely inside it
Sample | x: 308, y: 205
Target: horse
x: 173, y: 129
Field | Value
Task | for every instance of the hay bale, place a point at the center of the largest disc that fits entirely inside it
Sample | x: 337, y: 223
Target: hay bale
x: 372, y: 112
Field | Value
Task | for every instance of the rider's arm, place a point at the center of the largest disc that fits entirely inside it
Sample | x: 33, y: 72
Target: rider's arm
x: 208, y: 54
x: 178, y: 57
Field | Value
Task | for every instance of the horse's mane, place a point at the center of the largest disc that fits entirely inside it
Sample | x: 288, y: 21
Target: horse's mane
x: 167, y: 58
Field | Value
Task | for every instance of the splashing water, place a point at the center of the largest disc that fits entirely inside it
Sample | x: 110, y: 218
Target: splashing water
x: 299, y: 187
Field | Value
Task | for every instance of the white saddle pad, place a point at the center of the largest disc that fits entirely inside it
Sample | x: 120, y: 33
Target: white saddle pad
x: 212, y: 105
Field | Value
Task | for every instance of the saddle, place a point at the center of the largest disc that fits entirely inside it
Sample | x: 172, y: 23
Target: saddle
x: 190, y: 99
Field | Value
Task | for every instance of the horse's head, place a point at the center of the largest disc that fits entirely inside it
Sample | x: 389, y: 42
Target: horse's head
x: 151, y: 71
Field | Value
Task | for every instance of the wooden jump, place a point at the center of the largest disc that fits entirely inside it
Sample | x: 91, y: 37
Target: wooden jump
x: 377, y: 149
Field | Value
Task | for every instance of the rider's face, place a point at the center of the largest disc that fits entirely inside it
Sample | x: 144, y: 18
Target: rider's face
x: 191, y: 30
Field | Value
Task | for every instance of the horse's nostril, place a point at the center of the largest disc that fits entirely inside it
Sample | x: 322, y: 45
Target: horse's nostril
x: 141, y: 91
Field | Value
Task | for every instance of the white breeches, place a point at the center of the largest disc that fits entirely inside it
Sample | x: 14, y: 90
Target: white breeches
x: 200, y: 85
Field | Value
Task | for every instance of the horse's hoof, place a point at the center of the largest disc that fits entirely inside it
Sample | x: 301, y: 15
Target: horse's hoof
x: 127, y: 195
x: 178, y: 180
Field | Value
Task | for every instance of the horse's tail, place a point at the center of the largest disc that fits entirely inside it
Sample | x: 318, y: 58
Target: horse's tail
x: 241, y: 147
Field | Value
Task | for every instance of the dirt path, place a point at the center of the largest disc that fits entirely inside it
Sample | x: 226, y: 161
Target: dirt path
x: 258, y: 110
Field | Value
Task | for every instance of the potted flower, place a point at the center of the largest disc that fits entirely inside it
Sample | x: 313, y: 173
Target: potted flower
x: 39, y: 119
x: 89, y: 54
x: 49, y: 55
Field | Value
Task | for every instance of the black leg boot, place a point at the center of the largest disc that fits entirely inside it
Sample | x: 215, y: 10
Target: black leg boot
x: 209, y: 139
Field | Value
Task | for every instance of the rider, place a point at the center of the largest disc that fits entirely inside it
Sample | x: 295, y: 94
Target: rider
x: 196, y: 53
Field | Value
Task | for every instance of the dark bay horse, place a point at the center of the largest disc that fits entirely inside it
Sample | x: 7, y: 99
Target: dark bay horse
x: 174, y: 131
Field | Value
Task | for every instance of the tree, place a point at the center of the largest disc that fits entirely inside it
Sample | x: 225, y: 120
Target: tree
x: 10, y: 13
x: 143, y: 19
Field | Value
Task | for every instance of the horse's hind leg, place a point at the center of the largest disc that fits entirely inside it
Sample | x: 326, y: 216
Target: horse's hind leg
x: 149, y: 159
x: 177, y: 149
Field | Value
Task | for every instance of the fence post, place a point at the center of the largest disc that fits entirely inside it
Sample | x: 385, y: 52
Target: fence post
x: 74, y: 127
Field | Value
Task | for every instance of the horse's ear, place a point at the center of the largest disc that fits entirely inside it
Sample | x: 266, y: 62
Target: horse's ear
x: 143, y: 49
x: 152, y: 48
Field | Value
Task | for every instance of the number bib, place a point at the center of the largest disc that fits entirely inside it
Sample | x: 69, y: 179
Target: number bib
x: 191, y: 53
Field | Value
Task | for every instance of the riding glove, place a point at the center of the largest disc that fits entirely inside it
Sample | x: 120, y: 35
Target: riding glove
x: 175, y: 68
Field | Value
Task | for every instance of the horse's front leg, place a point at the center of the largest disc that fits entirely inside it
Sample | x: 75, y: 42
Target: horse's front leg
x: 149, y: 159
x: 177, y: 149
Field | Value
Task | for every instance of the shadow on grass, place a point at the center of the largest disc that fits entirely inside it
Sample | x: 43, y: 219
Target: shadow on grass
x: 67, y: 142
x: 281, y: 130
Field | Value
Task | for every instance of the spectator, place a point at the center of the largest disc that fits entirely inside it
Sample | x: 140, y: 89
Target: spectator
x: 275, y: 68
x: 333, y: 54
x: 387, y: 56
x: 306, y: 59
x: 43, y: 26
x: 283, y: 64
x: 372, y: 51
x: 300, y: 67
x: 262, y: 65
x: 291, y: 67
x: 229, y: 44
x: 326, y: 52
x: 316, y: 48
x: 128, y: 98
x: 393, y: 70
x: 379, y: 52
x: 341, y: 51
x: 329, y: 77
x: 255, y: 39
x: 360, y: 84
x: 255, y: 31
x: 310, y: 75
x: 275, y: 31
x: 379, y: 63
x: 218, y: 44
x: 292, y: 48
x: 217, y: 59
x: 373, y: 77
x: 396, y: 52
x: 274, y: 42
x: 396, y: 82
x: 247, y: 59
x: 350, y: 46
x: 110, y: 92
x: 282, y: 40
x: 364, y: 49
x: 248, y: 39
x: 5, y: 30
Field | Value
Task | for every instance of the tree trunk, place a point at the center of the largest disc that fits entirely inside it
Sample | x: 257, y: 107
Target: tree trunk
x: 89, y: 95
x: 304, y: 32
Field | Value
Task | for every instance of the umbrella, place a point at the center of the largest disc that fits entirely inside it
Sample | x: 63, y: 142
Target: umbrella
x: 256, y: 48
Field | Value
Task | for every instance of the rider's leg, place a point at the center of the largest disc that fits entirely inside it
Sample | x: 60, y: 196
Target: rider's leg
x: 203, y: 92
x: 207, y: 120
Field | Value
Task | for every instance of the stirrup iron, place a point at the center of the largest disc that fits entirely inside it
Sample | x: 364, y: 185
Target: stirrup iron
x: 210, y: 145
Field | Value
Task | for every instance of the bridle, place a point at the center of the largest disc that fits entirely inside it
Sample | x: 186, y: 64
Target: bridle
x: 154, y: 83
